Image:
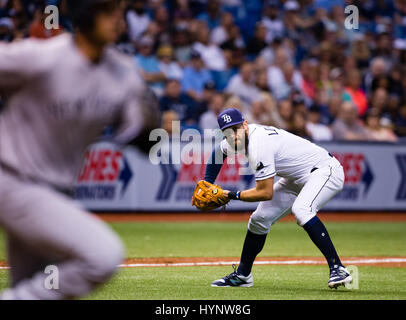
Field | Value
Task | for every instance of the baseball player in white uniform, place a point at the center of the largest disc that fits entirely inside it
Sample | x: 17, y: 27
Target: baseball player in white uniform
x: 309, y: 177
x: 60, y: 95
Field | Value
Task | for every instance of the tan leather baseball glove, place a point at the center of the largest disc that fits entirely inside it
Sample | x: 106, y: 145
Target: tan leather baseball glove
x: 208, y: 196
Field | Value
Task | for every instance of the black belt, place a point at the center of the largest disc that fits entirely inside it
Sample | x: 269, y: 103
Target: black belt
x: 70, y: 192
x: 315, y: 168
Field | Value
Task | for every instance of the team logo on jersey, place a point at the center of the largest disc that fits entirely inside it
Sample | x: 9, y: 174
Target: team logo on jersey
x: 227, y: 118
x: 259, y: 166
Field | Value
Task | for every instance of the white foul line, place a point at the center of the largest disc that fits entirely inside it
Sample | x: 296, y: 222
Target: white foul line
x: 267, y: 262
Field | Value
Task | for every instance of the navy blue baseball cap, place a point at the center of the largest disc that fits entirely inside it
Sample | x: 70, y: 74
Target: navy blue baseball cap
x: 229, y: 117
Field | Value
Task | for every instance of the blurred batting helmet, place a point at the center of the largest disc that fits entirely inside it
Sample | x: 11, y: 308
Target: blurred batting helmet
x: 83, y: 12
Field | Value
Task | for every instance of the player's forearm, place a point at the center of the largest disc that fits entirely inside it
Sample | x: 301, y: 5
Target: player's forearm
x: 214, y: 165
x: 263, y: 191
x: 255, y: 195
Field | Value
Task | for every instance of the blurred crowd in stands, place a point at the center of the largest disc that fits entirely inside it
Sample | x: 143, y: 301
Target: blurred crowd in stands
x: 291, y: 64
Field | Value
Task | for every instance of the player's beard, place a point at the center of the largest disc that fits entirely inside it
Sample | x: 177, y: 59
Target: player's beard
x: 246, y: 143
x: 242, y: 147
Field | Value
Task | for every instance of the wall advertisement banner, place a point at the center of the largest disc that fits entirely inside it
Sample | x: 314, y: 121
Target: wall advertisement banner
x: 116, y: 180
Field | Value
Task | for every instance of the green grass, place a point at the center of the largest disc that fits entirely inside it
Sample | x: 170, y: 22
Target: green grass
x: 285, y: 239
x: 271, y: 282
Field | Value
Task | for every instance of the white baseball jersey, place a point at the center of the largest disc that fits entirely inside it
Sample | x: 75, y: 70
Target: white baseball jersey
x: 273, y: 151
x: 58, y: 102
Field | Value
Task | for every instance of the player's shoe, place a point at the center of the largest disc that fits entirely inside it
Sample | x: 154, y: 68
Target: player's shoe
x: 339, y: 276
x: 234, y: 280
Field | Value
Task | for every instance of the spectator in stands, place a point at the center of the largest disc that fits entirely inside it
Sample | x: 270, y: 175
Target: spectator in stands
x: 168, y: 122
x: 261, y: 81
x: 272, y: 22
x: 137, y: 19
x: 292, y: 22
x: 298, y: 102
x: 333, y: 108
x: 161, y: 19
x: 360, y: 51
x: 148, y: 65
x: 354, y: 93
x: 182, y: 46
x: 323, y: 78
x: 243, y: 85
x: 285, y: 109
x: 383, y: 47
x: 347, y: 125
x: 181, y: 103
x: 278, y: 80
x: 167, y: 65
x: 221, y: 33
x: 20, y: 15
x: 209, y: 90
x: 211, y: 54
x: 264, y: 111
x: 377, y: 68
x: 400, y: 124
x: 269, y: 52
x: 182, y: 14
x: 379, y: 99
x: 392, y: 107
x: 317, y: 130
x: 195, y: 77
x: 258, y: 42
x: 233, y: 101
x: 6, y: 29
x: 322, y: 102
x: 212, y: 16
x: 288, y: 81
x: 308, y: 81
x: 234, y: 42
x: 208, y: 119
x: 297, y: 125
x: 379, y: 128
x: 152, y: 32
x: 395, y: 78
x: 384, y: 9
x: 403, y: 83
x: 222, y: 78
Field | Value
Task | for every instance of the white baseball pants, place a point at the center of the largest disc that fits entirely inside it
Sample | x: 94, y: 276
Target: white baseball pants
x: 304, y: 197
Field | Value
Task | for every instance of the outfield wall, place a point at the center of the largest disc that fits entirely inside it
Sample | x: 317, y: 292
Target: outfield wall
x: 126, y: 180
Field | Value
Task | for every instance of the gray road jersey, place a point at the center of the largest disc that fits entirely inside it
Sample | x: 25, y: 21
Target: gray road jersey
x: 58, y: 102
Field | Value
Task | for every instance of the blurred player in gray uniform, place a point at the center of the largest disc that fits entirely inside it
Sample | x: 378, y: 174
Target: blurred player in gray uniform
x: 60, y: 95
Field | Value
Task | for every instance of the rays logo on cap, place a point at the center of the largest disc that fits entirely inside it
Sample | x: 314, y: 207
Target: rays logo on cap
x: 227, y: 118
